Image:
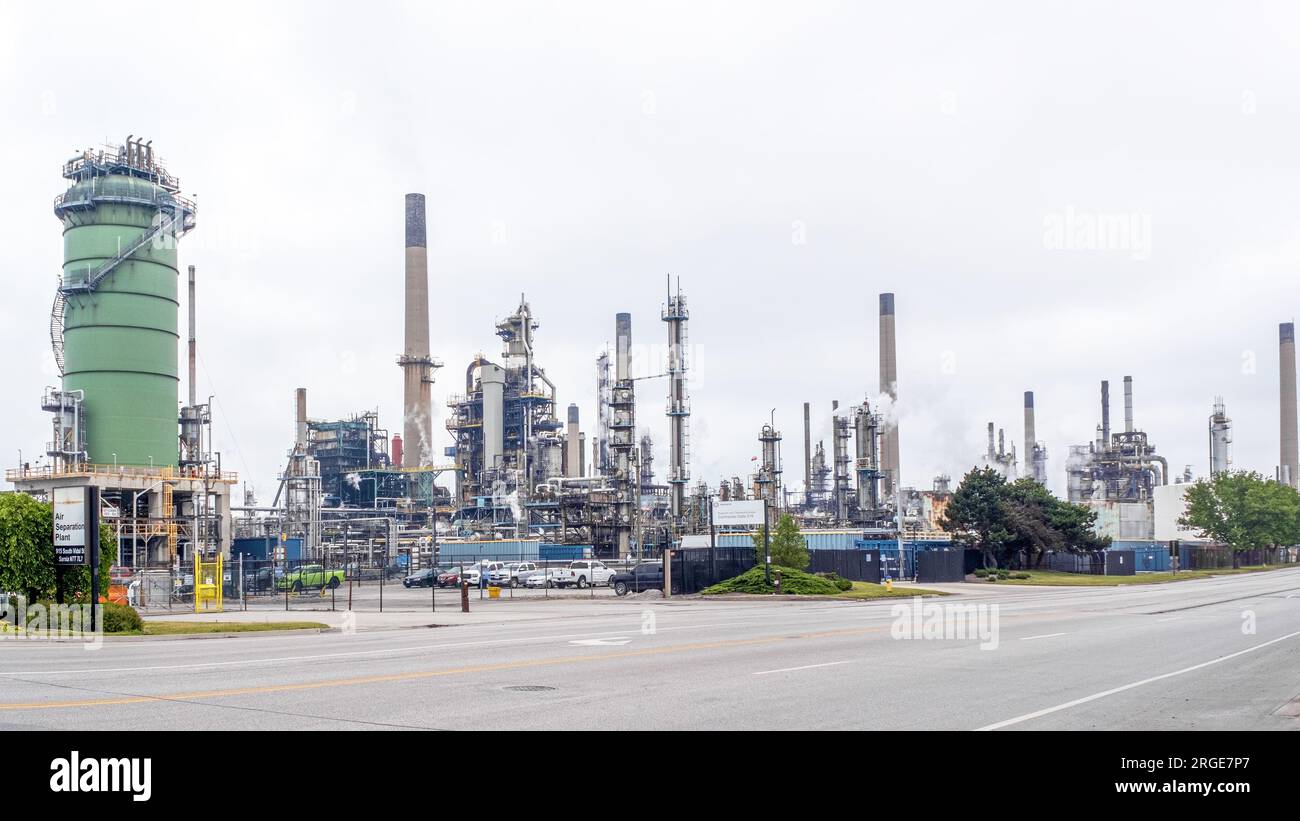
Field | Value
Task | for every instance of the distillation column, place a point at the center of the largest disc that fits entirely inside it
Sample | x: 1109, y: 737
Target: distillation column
x: 679, y: 407
x: 622, y: 433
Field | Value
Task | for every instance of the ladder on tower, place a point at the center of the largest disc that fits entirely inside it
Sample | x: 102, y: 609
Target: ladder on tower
x: 175, y: 221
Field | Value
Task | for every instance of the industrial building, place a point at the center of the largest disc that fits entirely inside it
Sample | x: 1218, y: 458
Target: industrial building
x: 114, y: 329
x: 1117, y: 473
x: 519, y: 474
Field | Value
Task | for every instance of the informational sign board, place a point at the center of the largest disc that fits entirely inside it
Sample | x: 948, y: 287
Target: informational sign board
x: 72, y: 514
x: 738, y: 513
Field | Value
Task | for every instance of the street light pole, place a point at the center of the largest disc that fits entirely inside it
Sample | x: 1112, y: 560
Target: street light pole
x: 767, y: 548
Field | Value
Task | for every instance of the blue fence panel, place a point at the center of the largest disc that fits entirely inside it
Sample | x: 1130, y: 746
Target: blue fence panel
x: 1148, y: 557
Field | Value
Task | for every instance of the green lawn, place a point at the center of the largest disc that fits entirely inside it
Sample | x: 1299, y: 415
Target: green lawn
x: 867, y: 590
x: 176, y: 628
x: 1052, y: 578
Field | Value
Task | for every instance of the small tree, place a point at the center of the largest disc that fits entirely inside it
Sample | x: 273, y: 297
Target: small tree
x: 1244, y: 510
x: 788, y: 546
x: 26, y: 546
x: 974, y: 515
x: 27, y: 562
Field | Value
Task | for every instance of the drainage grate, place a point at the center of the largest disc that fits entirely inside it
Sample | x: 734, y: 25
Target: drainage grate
x: 528, y: 688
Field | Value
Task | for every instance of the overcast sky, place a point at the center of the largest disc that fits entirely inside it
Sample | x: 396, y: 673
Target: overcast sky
x: 788, y: 161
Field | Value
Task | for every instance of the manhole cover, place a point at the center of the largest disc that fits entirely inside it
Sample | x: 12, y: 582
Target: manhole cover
x: 528, y: 688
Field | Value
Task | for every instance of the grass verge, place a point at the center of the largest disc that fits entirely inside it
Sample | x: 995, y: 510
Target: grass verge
x: 1052, y: 578
x: 178, y: 628
x: 867, y: 590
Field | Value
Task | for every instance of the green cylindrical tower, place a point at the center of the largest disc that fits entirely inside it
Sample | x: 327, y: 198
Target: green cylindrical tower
x: 119, y: 298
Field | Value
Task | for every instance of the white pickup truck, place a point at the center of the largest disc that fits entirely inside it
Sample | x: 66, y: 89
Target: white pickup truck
x: 581, y: 573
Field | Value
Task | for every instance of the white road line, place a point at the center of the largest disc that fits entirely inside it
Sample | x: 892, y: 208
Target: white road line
x: 1171, y: 618
x: 805, y: 667
x: 1095, y: 696
x: 1044, y: 636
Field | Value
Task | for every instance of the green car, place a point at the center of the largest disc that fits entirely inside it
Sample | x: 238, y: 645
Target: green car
x: 309, y: 575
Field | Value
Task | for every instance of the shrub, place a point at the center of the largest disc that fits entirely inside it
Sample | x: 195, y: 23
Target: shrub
x: 120, y: 618
x: 1021, y: 576
x: 981, y: 572
x: 836, y: 579
x: 792, y: 581
x: 992, y: 578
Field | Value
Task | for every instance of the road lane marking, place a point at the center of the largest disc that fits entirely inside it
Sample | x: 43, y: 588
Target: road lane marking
x: 1044, y: 636
x: 618, y: 641
x: 416, y: 648
x: 1095, y: 696
x: 804, y: 667
x: 428, y: 674
x: 1171, y: 618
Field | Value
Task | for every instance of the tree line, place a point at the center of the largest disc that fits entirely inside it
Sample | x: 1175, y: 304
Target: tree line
x: 27, y: 563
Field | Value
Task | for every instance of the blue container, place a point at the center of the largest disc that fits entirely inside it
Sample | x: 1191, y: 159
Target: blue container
x: 564, y: 552
x: 262, y: 548
x: 1148, y: 557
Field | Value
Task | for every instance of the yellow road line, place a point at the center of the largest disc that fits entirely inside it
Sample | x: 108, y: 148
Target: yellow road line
x: 424, y: 674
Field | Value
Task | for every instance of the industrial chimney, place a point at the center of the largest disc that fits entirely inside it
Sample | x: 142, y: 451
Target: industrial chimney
x: 1035, y: 454
x: 889, y: 461
x: 1105, y: 413
x: 1289, y: 466
x: 573, y: 445
x: 1128, y: 404
x: 807, y: 452
x: 417, y: 365
x: 300, y: 418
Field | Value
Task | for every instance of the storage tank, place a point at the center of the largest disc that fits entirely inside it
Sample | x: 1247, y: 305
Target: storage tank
x: 115, y: 327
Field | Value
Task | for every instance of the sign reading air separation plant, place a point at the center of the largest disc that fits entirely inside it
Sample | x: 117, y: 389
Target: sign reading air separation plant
x: 70, y: 516
x: 738, y: 513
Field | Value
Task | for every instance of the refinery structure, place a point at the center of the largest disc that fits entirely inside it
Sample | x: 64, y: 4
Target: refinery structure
x: 514, y: 464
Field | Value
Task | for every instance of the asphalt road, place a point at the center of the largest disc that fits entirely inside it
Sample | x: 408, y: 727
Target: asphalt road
x: 1218, y: 653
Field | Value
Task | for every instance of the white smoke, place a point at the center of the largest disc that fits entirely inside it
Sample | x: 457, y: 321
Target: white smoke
x: 516, y: 509
x: 887, y: 407
x: 353, y: 480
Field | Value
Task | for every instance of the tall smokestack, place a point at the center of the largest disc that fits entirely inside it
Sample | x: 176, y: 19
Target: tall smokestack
x: 573, y: 445
x: 300, y: 418
x: 1105, y: 413
x: 992, y: 450
x: 1031, y: 435
x: 417, y: 397
x: 194, y: 399
x: 622, y: 346
x: 807, y: 450
x: 1128, y: 404
x: 889, y: 461
x: 1290, y: 463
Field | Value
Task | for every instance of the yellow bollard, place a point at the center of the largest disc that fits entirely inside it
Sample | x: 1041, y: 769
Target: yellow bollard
x: 494, y: 592
x: 889, y: 585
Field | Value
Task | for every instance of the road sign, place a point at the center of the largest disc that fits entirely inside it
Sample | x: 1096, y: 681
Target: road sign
x: 738, y: 513
x: 71, y: 515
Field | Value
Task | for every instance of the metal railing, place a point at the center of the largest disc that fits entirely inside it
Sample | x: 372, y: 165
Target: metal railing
x: 90, y: 470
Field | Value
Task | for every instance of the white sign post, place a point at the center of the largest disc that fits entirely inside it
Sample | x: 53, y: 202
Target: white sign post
x: 738, y: 513
x: 70, y: 517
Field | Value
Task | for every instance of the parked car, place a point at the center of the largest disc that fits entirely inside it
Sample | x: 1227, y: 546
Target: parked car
x: 646, y: 576
x: 449, y: 578
x: 261, y: 580
x: 424, y: 578
x: 583, y: 572
x: 528, y: 570
x: 310, y: 575
x: 472, y: 573
x: 511, y: 573
x: 542, y: 577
